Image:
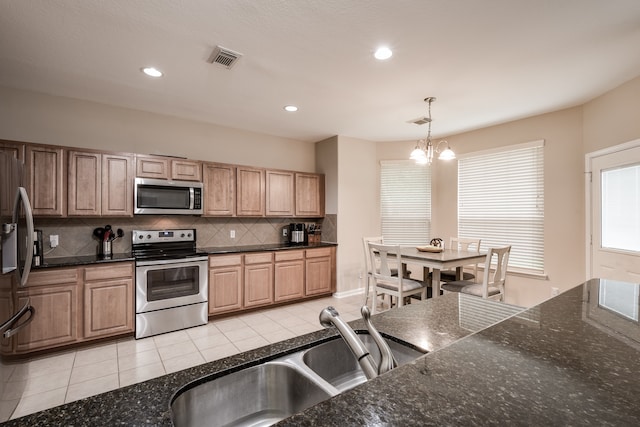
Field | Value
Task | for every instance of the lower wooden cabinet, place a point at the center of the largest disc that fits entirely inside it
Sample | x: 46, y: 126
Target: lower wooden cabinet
x: 108, y: 300
x: 289, y: 275
x: 258, y: 279
x: 225, y: 283
x: 319, y: 271
x: 74, y: 305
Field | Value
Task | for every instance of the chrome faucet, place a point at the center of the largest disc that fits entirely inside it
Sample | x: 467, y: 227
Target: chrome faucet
x: 330, y: 317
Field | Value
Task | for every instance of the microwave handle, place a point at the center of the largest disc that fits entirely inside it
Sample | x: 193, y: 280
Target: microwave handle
x: 192, y: 196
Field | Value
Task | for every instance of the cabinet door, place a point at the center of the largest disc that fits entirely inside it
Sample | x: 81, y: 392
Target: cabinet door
x: 108, y: 308
x: 219, y: 189
x: 117, y: 185
x: 289, y: 280
x: 258, y: 284
x: 279, y: 197
x: 84, y: 184
x: 55, y: 319
x: 251, y: 189
x: 186, y: 170
x: 318, y: 271
x: 309, y: 195
x: 45, y: 172
x: 7, y: 182
x: 225, y: 289
x: 152, y: 167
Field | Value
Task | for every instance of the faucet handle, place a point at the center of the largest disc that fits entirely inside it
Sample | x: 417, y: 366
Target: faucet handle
x: 387, y: 361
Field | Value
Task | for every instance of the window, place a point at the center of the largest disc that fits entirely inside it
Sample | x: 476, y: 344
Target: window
x: 621, y: 208
x: 405, y: 202
x: 501, y: 201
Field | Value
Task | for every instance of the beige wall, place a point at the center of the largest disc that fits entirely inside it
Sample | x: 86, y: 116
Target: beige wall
x: 34, y: 117
x: 613, y: 118
x: 327, y: 163
x: 357, y: 175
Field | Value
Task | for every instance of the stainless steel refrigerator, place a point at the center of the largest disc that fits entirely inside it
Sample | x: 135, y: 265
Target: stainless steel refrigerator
x: 17, y: 247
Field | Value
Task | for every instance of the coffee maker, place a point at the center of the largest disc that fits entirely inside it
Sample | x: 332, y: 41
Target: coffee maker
x: 297, y: 233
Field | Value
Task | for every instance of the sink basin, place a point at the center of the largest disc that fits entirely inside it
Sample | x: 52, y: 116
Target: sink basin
x: 265, y: 394
x: 256, y: 396
x: 334, y: 362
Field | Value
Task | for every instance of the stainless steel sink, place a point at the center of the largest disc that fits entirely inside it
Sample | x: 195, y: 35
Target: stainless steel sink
x: 265, y: 394
x: 334, y: 363
x: 256, y: 396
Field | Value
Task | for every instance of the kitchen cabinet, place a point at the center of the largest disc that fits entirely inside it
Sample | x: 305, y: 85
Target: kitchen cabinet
x: 309, y: 195
x: 108, y: 300
x: 219, y: 181
x: 186, y: 170
x: 159, y: 167
x: 225, y: 283
x: 250, y: 191
x: 99, y: 184
x: 279, y: 193
x: 46, y: 178
x: 319, y: 271
x: 14, y: 149
x: 54, y: 294
x: 289, y: 275
x: 258, y: 279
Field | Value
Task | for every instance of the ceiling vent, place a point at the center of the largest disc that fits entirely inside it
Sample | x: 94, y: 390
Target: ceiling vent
x: 225, y: 57
x: 420, y: 120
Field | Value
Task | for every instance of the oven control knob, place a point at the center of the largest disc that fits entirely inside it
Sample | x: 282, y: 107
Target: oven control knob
x: 140, y: 237
x: 182, y: 235
x: 148, y: 236
x: 189, y: 235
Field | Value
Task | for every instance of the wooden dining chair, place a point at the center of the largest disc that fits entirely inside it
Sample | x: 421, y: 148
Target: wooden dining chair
x: 385, y: 283
x: 462, y: 244
x: 493, y: 283
x: 368, y: 267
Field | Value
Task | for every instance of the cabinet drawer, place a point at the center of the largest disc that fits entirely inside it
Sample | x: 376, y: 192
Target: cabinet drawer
x: 53, y: 277
x: 258, y: 258
x: 109, y: 271
x: 224, y: 260
x: 316, y: 253
x: 289, y: 255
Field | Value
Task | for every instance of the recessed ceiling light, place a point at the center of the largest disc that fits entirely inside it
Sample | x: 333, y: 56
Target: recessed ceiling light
x: 290, y: 108
x: 152, y: 72
x: 383, y: 53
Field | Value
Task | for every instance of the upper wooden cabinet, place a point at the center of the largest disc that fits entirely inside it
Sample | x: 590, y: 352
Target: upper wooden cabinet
x: 279, y: 196
x: 219, y: 189
x: 251, y: 191
x: 13, y: 148
x: 99, y: 184
x: 46, y: 177
x: 167, y: 168
x: 309, y: 195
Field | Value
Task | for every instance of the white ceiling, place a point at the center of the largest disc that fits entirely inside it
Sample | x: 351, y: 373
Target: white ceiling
x: 486, y: 61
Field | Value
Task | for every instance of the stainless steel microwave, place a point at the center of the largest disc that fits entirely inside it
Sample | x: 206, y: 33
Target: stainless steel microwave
x: 158, y: 196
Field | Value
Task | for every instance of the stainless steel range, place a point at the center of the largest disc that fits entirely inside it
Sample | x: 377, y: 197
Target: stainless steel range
x: 171, y: 281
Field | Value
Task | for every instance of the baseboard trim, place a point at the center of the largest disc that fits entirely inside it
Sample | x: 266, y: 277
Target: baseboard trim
x: 349, y: 293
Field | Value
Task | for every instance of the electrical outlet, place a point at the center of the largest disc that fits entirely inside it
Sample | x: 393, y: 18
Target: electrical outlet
x: 232, y: 234
x: 555, y: 291
x: 285, y: 232
x: 53, y: 241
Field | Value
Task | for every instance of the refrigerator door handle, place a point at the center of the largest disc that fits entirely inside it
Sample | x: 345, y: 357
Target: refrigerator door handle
x: 12, y: 327
x: 21, y: 195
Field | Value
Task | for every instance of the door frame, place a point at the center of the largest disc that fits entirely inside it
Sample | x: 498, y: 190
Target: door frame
x: 588, y: 191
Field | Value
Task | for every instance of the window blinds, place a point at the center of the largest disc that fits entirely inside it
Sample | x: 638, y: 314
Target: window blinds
x: 405, y: 202
x: 501, y: 201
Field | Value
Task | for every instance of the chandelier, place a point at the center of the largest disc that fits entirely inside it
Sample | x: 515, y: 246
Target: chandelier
x: 424, y: 151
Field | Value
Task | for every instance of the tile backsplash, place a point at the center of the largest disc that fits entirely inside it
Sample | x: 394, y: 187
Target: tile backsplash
x: 76, y: 234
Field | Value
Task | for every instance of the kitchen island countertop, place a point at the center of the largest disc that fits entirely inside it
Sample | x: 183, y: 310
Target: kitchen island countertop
x: 571, y: 360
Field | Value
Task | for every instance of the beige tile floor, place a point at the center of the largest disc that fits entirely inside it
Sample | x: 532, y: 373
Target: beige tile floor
x: 63, y: 377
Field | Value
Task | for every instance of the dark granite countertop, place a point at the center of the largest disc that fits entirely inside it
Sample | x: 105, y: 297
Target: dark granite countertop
x: 217, y: 250
x: 83, y: 260
x: 572, y: 360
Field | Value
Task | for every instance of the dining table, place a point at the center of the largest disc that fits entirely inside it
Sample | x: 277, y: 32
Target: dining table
x: 438, y: 261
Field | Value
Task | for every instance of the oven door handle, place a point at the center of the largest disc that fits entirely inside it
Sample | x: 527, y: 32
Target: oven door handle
x: 171, y: 261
